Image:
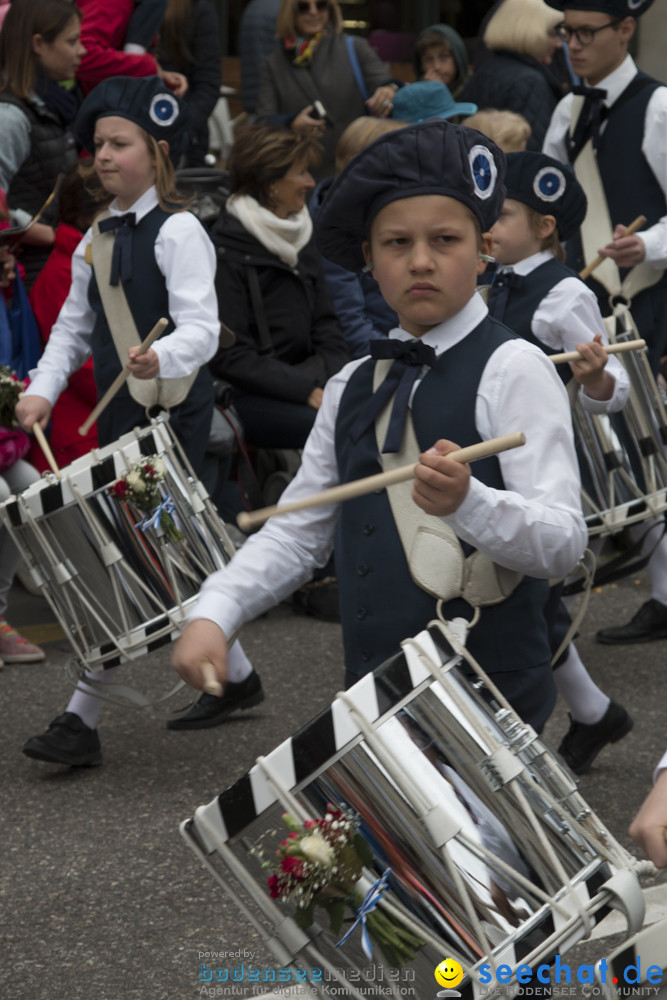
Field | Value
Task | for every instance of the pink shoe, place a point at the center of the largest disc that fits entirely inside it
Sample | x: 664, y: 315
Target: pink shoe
x: 15, y: 649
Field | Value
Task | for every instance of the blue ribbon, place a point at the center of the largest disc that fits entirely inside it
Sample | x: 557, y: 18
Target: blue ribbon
x: 153, y: 520
x: 370, y: 901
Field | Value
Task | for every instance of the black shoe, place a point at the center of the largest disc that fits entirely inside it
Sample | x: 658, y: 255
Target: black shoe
x: 649, y: 623
x: 582, y: 743
x: 211, y: 711
x: 68, y: 740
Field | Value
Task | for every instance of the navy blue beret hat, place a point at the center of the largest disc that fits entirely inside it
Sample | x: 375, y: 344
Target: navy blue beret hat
x: 431, y: 157
x: 145, y: 101
x: 615, y: 8
x: 549, y: 187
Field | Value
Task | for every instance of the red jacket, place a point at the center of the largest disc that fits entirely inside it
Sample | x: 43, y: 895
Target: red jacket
x: 103, y: 29
x: 47, y: 296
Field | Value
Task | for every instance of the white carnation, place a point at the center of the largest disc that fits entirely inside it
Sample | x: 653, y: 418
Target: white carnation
x: 135, y: 482
x: 316, y: 849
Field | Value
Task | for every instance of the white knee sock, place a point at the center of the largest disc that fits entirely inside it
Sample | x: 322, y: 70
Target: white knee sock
x: 586, y: 701
x: 84, y: 702
x: 238, y: 664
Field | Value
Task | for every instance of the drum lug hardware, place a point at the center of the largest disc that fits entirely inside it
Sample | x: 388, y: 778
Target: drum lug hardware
x: 500, y: 767
x: 519, y: 735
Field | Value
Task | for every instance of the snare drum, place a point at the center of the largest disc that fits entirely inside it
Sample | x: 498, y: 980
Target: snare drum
x: 622, y: 456
x: 119, y: 589
x: 490, y: 854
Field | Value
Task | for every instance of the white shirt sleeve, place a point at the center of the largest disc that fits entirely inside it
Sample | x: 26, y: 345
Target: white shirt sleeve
x: 662, y: 766
x: 186, y: 258
x: 282, y: 556
x: 69, y: 343
x: 555, y: 140
x: 569, y: 315
x: 654, y: 149
x: 535, y: 525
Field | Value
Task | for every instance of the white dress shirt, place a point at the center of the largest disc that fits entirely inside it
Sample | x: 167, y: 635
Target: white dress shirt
x: 185, y: 256
x: 569, y: 315
x: 654, y: 146
x: 534, y: 526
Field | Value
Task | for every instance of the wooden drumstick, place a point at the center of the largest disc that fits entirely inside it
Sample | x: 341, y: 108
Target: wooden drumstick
x: 121, y: 378
x: 211, y: 683
x: 359, y: 487
x: 628, y: 345
x: 630, y: 231
x: 46, y: 450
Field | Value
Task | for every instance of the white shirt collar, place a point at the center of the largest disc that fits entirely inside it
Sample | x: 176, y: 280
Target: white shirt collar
x: 528, y: 264
x: 452, y: 331
x: 142, y: 206
x: 618, y: 80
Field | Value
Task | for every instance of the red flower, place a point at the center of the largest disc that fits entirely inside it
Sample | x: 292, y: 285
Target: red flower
x: 274, y: 890
x: 292, y: 866
x: 120, y: 489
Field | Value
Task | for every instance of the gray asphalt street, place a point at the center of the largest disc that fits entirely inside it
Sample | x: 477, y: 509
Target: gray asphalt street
x: 101, y: 898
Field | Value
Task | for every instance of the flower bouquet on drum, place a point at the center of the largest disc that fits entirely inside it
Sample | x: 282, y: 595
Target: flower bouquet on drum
x: 141, y: 488
x: 11, y: 388
x: 320, y: 863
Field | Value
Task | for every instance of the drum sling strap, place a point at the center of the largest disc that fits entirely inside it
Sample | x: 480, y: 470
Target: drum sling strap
x: 163, y: 392
x: 597, y: 228
x: 434, y: 554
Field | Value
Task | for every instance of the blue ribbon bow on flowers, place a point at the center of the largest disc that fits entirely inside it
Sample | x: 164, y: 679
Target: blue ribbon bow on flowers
x: 153, y: 520
x: 370, y: 901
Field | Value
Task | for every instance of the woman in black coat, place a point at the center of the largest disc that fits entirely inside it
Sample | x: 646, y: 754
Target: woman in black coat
x: 515, y: 75
x: 271, y: 290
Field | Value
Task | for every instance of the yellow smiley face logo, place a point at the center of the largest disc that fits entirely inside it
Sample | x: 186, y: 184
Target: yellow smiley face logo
x: 449, y: 973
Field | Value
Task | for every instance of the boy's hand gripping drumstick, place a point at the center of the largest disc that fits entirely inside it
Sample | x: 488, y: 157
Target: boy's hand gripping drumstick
x: 121, y: 378
x: 40, y: 437
x: 630, y: 231
x: 628, y: 345
x: 361, y: 486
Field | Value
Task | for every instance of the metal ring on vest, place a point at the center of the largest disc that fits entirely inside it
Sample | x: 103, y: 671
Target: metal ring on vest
x: 158, y: 410
x: 471, y: 624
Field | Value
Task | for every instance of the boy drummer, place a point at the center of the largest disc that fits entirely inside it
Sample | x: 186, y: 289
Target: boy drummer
x: 413, y: 207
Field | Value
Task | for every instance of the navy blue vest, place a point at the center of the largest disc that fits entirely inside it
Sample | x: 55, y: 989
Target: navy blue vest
x: 630, y: 186
x: 522, y: 303
x: 148, y: 299
x: 380, y: 603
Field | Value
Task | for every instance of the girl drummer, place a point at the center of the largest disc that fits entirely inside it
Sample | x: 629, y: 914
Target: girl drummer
x: 162, y: 263
x: 413, y: 208
x: 546, y: 302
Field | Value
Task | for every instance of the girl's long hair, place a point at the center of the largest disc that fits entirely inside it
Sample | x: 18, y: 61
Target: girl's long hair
x: 25, y: 18
x: 174, y: 31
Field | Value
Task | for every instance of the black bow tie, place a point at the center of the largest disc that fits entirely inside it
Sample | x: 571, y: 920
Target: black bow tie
x: 121, y: 258
x: 499, y: 295
x: 593, y: 113
x: 409, y: 357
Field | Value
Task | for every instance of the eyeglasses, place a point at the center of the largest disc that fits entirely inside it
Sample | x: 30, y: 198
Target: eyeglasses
x: 304, y: 6
x: 583, y: 35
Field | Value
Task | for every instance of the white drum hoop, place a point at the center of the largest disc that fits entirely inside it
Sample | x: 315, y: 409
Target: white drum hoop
x: 118, y: 591
x: 373, y: 751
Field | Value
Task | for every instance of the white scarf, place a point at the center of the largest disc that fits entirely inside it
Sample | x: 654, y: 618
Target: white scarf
x: 282, y: 237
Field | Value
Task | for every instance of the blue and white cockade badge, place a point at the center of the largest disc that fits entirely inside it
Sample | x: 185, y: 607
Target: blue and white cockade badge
x: 484, y: 171
x: 549, y: 184
x: 636, y: 5
x: 164, y: 109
